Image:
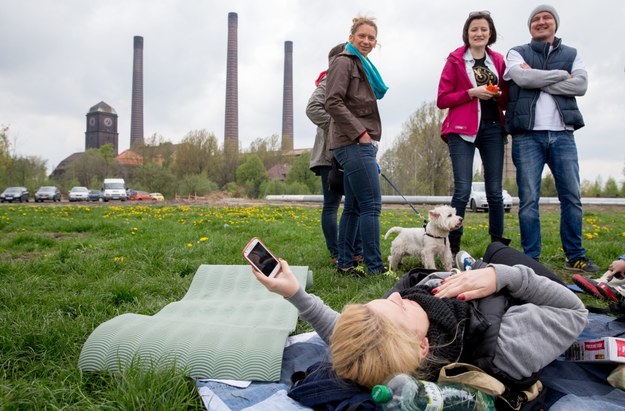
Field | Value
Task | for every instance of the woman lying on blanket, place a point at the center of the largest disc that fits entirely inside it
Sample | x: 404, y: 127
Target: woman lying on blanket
x: 508, y: 320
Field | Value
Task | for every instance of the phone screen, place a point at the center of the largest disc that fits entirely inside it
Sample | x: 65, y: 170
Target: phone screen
x: 262, y: 259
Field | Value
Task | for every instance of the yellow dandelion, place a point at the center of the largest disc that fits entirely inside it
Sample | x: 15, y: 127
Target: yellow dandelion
x: 202, y: 239
x: 189, y: 245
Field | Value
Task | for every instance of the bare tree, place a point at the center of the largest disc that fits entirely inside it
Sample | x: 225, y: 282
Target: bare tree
x: 418, y: 163
x: 269, y: 150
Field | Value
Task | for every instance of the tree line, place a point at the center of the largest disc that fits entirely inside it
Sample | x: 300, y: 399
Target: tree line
x: 417, y: 163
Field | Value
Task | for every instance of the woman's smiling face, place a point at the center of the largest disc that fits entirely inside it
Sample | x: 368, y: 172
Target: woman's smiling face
x: 364, y: 39
x: 478, y: 33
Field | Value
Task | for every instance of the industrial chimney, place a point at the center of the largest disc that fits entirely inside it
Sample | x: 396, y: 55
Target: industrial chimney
x: 287, y: 99
x: 136, y: 117
x: 231, y: 132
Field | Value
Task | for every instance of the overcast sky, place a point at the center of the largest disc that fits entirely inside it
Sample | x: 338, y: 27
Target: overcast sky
x: 58, y: 59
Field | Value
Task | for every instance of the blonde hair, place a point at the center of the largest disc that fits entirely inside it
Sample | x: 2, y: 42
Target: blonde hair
x: 360, y: 20
x: 368, y: 348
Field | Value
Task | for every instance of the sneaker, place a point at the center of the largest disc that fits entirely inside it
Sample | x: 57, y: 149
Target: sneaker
x: 583, y: 264
x: 588, y: 285
x: 385, y: 271
x: 464, y: 261
x: 354, y: 271
x: 357, y: 260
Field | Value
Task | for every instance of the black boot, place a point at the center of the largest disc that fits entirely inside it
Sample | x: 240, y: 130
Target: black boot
x: 454, y: 244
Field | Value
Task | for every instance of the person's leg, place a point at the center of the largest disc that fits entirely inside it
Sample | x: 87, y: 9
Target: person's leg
x: 461, y: 154
x: 562, y: 160
x: 490, y: 143
x: 358, y: 247
x: 362, y: 178
x: 349, y: 218
x: 498, y: 253
x: 529, y: 156
x: 329, y: 213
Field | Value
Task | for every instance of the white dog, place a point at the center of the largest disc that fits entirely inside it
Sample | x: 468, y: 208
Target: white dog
x: 427, y: 242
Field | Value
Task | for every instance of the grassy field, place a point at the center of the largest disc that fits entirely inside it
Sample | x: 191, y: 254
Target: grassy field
x: 66, y: 269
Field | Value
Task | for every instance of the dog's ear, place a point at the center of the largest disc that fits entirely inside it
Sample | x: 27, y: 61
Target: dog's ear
x: 434, y: 214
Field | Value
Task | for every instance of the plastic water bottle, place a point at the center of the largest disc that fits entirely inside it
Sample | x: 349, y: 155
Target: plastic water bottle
x: 406, y: 393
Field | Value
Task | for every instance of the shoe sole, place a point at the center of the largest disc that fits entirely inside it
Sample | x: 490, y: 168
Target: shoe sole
x: 587, y: 286
x: 571, y: 268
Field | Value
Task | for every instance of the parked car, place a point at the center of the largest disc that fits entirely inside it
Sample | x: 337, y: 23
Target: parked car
x: 12, y: 194
x: 158, y: 196
x: 139, y: 195
x: 95, y: 195
x: 477, y: 200
x: 51, y: 193
x: 78, y: 194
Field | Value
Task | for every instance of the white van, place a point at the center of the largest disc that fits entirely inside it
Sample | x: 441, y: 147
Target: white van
x: 114, y: 189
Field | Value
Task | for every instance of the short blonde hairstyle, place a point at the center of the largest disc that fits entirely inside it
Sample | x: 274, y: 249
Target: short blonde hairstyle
x: 359, y: 21
x: 369, y: 349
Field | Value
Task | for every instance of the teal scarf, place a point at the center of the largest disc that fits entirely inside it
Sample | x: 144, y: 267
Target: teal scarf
x: 377, y: 84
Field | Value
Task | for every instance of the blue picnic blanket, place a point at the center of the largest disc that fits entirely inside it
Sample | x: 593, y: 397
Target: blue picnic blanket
x: 570, y: 385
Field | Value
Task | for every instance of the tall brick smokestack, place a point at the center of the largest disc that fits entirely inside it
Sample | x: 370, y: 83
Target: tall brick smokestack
x: 287, y: 98
x: 231, y: 132
x: 136, y: 116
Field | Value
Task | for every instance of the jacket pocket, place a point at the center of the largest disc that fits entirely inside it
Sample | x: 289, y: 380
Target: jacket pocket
x: 362, y: 110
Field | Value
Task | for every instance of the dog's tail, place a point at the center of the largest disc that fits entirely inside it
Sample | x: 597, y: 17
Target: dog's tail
x: 392, y: 230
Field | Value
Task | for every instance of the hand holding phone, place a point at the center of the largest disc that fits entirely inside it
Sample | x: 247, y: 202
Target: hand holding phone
x: 259, y: 256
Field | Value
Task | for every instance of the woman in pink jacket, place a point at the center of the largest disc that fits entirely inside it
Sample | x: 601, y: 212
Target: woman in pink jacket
x: 472, y: 88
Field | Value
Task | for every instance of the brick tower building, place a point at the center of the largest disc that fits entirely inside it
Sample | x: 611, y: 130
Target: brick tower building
x: 101, y: 127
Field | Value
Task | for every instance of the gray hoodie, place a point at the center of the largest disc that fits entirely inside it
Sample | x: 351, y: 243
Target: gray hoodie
x: 531, y: 335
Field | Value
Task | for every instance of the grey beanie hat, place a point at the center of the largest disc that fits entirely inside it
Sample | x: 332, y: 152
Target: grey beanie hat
x: 544, y: 7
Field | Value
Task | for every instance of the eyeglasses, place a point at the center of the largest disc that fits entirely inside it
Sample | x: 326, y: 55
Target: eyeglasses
x: 479, y: 13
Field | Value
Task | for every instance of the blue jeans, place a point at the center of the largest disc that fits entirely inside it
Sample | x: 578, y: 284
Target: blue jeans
x: 329, y: 213
x: 490, y: 143
x: 557, y: 149
x: 363, y: 204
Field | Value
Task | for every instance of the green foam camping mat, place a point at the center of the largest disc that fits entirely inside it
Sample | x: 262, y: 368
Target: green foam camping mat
x: 227, y: 326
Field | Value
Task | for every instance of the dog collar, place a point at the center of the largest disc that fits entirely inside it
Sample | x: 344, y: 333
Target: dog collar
x: 425, y: 226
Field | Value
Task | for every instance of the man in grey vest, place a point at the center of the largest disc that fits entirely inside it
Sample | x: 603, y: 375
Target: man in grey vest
x: 545, y: 77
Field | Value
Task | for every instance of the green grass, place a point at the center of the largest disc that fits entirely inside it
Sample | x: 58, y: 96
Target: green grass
x: 66, y: 269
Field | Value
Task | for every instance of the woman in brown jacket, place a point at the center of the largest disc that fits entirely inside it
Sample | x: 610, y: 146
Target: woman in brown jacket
x: 353, y: 88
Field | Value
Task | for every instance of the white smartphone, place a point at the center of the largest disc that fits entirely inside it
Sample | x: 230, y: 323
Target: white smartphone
x: 259, y: 256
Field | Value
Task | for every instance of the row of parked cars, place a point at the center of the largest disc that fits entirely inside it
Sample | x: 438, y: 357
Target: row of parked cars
x: 52, y: 193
